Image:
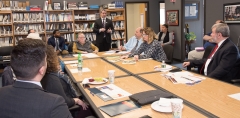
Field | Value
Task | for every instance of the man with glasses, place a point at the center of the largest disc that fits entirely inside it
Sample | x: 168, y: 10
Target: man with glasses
x: 103, y: 28
x: 84, y: 46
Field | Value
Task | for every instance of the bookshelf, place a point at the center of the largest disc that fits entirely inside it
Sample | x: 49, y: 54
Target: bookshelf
x: 69, y: 22
x: 6, y: 28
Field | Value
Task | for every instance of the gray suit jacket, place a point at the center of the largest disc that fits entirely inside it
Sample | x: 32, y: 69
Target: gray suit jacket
x: 27, y: 100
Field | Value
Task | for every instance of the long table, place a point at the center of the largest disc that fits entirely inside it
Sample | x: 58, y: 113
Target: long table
x: 210, y: 94
x: 98, y: 67
x: 126, y: 83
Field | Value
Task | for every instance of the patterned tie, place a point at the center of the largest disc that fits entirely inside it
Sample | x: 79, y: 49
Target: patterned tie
x: 214, y: 50
x: 57, y: 44
x: 134, y: 49
x: 103, y: 22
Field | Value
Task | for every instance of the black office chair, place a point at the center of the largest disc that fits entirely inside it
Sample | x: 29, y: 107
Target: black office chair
x: 70, y: 47
x: 207, y: 52
x: 5, y: 51
x: 168, y: 49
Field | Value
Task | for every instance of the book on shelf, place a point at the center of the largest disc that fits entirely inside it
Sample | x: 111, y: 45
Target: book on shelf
x: 6, y: 41
x: 58, y: 17
x: 23, y: 28
x: 62, y: 27
x: 5, y: 18
x: 27, y: 17
x: 72, y: 6
x: 5, y: 30
x: 84, y: 27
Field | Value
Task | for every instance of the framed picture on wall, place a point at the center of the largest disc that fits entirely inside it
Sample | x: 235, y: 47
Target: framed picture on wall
x: 231, y: 13
x: 57, y: 6
x: 172, y: 18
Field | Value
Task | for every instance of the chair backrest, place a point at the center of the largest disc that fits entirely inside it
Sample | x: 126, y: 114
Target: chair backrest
x: 207, y: 52
x: 6, y: 50
x: 70, y: 46
x: 7, y: 76
x: 168, y: 49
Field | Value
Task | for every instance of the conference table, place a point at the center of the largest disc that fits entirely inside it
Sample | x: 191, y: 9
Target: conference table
x: 208, y: 98
x: 98, y: 68
x: 210, y: 94
x: 126, y: 83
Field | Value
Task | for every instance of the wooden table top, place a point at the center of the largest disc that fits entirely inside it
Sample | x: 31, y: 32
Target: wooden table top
x: 210, y: 94
x: 98, y: 67
x: 126, y: 83
x: 141, y: 66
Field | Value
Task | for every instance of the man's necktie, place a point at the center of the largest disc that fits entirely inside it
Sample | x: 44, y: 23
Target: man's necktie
x: 134, y: 49
x: 214, y: 50
x: 57, y: 44
x: 103, y: 23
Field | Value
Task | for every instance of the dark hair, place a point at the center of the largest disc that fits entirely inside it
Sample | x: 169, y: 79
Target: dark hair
x: 27, y: 58
x: 165, y: 25
x: 52, y: 60
x: 221, y: 21
x: 55, y: 31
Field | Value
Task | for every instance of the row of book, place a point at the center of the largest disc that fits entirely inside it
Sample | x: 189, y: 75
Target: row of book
x: 118, y: 35
x: 64, y: 27
x: 58, y: 17
x: 118, y: 25
x: 5, y: 18
x: 23, y: 28
x: 6, y: 41
x: 5, y: 30
x: 84, y: 27
x: 28, y: 17
x: 86, y: 16
x: 13, y: 5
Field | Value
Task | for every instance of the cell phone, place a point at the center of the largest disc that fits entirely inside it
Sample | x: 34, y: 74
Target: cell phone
x: 145, y: 116
x: 117, y: 51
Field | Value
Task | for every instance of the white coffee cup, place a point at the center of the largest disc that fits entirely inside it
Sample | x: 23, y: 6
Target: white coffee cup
x: 111, y: 76
x: 177, y: 105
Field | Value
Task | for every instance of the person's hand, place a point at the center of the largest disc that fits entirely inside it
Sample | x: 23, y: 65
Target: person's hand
x: 95, y: 51
x: 80, y: 102
x: 185, y: 64
x: 84, y: 52
x: 136, y: 57
x: 120, y: 47
x: 109, y: 31
x: 162, y: 45
x: 124, y: 57
x: 102, y: 30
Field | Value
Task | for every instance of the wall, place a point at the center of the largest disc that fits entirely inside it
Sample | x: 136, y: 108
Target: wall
x: 133, y: 19
x: 153, y: 8
x: 179, y: 46
x: 214, y: 13
x: 196, y: 26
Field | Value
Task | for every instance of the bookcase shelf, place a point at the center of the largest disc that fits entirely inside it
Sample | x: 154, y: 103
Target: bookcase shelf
x: 25, y: 11
x: 85, y: 20
x: 5, y: 24
x: 60, y: 22
x: 27, y: 22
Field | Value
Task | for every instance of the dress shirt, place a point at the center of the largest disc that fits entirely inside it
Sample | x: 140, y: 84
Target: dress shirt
x: 34, y: 82
x: 132, y: 43
x: 210, y: 58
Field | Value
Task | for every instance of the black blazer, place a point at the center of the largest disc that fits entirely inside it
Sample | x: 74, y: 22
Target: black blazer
x: 99, y: 35
x: 28, y: 100
x: 224, y: 64
x: 53, y: 84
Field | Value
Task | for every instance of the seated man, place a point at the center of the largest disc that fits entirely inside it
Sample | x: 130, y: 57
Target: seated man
x: 193, y: 55
x: 134, y: 42
x: 26, y: 97
x: 222, y: 62
x: 57, y: 42
x: 84, y: 46
x: 34, y: 36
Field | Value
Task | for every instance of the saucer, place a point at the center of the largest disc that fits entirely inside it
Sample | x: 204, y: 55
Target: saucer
x: 155, y: 106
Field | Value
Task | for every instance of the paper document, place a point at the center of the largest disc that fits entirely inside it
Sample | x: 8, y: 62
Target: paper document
x: 235, y: 96
x: 114, y: 91
x: 184, y: 77
x: 83, y: 70
x: 71, y: 62
x: 90, y: 55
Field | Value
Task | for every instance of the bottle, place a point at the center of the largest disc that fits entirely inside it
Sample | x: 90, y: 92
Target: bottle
x: 163, y: 64
x: 80, y: 63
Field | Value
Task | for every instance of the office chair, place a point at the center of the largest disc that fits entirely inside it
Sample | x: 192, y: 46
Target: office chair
x: 207, y: 52
x: 5, y: 51
x: 168, y: 49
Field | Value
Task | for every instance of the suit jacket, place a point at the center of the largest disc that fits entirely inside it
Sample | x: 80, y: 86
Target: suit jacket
x: 99, y: 35
x: 51, y: 41
x: 28, y: 100
x: 224, y: 64
x: 53, y: 84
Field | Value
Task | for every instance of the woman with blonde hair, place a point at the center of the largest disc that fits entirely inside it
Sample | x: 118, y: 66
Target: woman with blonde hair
x: 150, y: 47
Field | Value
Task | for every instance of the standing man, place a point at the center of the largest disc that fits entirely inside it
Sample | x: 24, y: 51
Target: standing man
x: 134, y: 42
x: 26, y: 97
x: 103, y: 28
x: 223, y: 60
x: 57, y: 42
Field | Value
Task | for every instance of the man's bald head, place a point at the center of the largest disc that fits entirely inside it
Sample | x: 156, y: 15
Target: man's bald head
x: 138, y: 33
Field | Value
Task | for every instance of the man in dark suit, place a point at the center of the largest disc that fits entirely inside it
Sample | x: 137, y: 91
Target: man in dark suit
x: 26, y: 98
x: 57, y: 42
x: 103, y: 28
x: 223, y: 61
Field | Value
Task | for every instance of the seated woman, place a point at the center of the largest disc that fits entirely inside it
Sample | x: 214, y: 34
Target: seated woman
x: 84, y: 46
x: 164, y: 36
x: 150, y: 47
x: 53, y: 84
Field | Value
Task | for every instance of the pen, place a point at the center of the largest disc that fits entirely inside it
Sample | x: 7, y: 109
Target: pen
x: 173, y: 80
x: 188, y: 79
x: 92, y: 93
